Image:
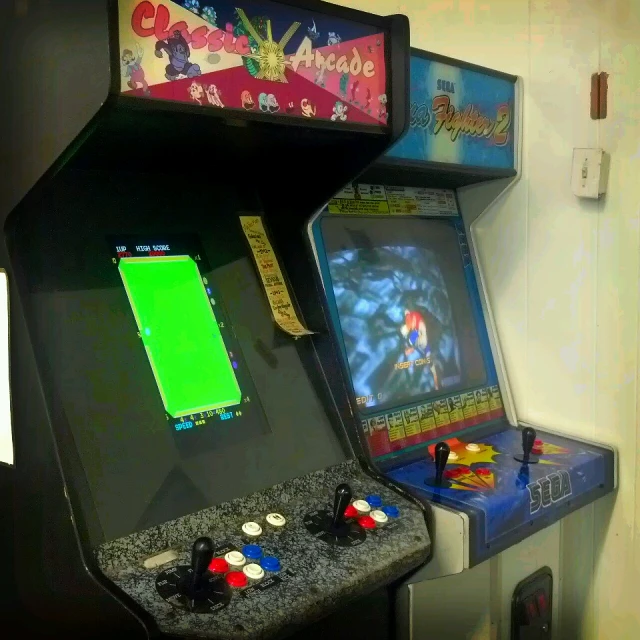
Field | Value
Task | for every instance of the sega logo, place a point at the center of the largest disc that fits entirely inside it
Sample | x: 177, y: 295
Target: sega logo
x: 447, y: 86
x: 544, y: 492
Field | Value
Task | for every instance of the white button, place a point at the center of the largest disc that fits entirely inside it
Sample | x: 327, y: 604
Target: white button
x: 379, y: 516
x: 362, y: 506
x: 276, y: 520
x: 252, y: 529
x: 235, y: 559
x: 254, y: 571
x: 452, y: 456
x: 472, y: 446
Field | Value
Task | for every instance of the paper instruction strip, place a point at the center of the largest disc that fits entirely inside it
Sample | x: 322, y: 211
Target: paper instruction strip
x: 273, y: 281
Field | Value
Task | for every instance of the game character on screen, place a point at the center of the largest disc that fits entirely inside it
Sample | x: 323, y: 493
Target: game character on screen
x: 133, y: 69
x: 414, y: 331
x: 178, y: 52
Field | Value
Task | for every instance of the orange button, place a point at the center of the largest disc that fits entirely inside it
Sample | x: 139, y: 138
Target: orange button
x: 219, y: 565
x: 367, y: 522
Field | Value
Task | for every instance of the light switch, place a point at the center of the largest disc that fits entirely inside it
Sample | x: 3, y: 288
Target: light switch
x: 589, y: 173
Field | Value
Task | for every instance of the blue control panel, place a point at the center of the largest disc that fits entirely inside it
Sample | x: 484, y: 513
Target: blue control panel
x: 506, y: 501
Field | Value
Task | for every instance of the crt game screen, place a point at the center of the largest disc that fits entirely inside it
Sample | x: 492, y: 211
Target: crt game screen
x: 404, y: 309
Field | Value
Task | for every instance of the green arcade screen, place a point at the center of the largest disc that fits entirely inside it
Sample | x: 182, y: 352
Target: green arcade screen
x: 161, y: 289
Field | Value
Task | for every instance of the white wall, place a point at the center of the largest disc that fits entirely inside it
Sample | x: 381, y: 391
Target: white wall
x: 563, y: 273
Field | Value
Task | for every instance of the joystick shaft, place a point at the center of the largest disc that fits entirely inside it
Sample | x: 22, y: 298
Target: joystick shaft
x: 201, y: 556
x: 441, y: 455
x: 340, y: 503
x: 528, y: 440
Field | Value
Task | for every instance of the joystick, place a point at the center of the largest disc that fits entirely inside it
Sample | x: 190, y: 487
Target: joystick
x: 201, y: 557
x: 331, y: 526
x: 528, y: 438
x: 440, y: 456
x: 193, y: 587
x: 341, y: 500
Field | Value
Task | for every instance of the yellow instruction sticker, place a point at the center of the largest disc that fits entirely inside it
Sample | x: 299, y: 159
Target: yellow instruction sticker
x: 411, y: 422
x: 441, y: 412
x: 495, y: 401
x: 272, y: 279
x: 427, y: 420
x: 395, y: 426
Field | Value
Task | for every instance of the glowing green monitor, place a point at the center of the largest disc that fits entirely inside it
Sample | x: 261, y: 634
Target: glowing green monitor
x: 180, y: 333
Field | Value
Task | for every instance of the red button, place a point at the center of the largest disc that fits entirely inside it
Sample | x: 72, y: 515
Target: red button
x: 219, y: 565
x: 367, y: 522
x: 350, y: 512
x: 538, y: 443
x: 536, y: 451
x: 236, y: 579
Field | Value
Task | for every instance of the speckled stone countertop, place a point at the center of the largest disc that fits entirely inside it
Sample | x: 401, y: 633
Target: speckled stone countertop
x: 316, y: 578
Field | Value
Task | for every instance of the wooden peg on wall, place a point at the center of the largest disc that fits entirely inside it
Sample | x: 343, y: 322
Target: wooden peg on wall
x: 599, y: 88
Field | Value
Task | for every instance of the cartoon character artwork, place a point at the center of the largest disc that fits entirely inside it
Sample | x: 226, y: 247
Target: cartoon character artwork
x: 339, y: 111
x: 178, y: 52
x: 308, y: 108
x: 214, y: 96
x: 247, y: 101
x: 367, y: 102
x: 312, y: 32
x: 382, y: 111
x: 333, y: 39
x: 355, y: 87
x: 196, y: 91
x: 290, y: 108
x: 414, y: 331
x: 319, y: 80
x: 134, y: 71
x: 192, y: 5
x: 268, y: 103
x: 344, y: 85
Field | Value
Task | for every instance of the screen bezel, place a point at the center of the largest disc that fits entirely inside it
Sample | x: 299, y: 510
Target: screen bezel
x: 317, y: 240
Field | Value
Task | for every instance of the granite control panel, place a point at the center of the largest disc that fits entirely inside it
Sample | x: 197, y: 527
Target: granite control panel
x: 270, y: 563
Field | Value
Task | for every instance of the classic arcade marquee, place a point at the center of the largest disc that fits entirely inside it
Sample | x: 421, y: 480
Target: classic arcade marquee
x: 414, y: 335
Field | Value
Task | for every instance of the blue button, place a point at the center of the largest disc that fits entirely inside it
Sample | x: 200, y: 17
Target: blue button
x: 269, y: 563
x: 392, y: 512
x: 252, y: 551
x: 374, y: 501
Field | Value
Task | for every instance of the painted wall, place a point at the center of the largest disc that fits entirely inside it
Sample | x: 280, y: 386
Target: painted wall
x: 563, y: 272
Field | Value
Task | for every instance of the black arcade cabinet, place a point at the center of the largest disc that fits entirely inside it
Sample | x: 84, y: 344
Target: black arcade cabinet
x: 181, y: 469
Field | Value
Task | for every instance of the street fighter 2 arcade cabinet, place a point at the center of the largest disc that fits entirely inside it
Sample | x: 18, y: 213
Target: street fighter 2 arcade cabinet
x: 177, y: 472
x: 421, y: 363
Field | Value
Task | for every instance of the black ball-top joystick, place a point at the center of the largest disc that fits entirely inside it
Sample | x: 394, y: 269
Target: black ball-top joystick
x: 341, y: 501
x: 440, y: 456
x: 528, y: 439
x: 331, y: 526
x: 194, y: 587
x: 201, y: 556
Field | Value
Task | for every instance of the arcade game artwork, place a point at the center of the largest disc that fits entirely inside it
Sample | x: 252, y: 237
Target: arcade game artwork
x: 253, y: 57
x: 404, y: 324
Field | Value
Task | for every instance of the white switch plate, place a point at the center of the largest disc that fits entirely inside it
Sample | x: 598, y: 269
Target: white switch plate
x: 589, y: 173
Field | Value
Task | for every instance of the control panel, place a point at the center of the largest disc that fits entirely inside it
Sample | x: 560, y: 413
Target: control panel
x: 509, y: 482
x: 277, y: 559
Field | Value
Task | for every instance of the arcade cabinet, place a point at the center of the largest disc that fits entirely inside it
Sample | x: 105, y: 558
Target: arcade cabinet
x: 415, y: 356
x: 179, y: 470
